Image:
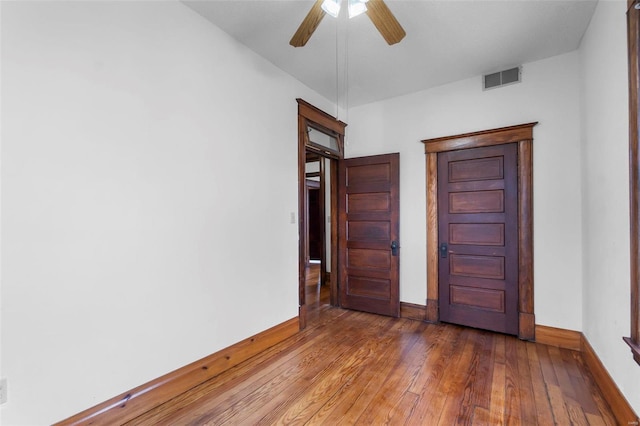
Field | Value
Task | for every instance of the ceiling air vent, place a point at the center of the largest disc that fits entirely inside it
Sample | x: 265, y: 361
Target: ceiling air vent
x: 501, y: 78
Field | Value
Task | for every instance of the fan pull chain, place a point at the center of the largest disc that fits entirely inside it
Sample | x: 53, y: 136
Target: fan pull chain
x: 346, y: 71
x: 337, y: 74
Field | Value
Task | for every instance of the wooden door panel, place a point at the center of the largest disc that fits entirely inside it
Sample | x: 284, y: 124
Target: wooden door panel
x: 367, y: 230
x: 492, y: 300
x: 367, y: 258
x: 368, y: 202
x: 483, y: 234
x: 364, y: 273
x: 478, y: 278
x: 369, y: 287
x: 477, y: 266
x: 368, y: 224
x: 478, y: 185
x: 368, y: 174
x: 476, y: 169
x: 476, y: 282
x: 477, y: 202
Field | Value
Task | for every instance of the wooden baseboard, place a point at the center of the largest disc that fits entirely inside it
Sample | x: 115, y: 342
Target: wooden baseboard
x: 129, y: 405
x: 413, y: 311
x: 616, y: 400
x: 576, y: 341
x: 559, y: 337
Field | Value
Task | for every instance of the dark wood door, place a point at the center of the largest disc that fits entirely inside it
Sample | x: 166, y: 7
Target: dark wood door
x: 478, y: 237
x: 369, y: 207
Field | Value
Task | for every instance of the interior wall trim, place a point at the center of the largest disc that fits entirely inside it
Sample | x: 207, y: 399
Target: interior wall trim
x: 413, y: 311
x: 141, y: 399
x: 309, y: 114
x: 633, y: 40
x: 559, y: 337
x: 619, y: 405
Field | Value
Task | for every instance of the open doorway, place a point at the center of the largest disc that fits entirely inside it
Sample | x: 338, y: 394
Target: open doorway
x: 315, y: 209
x: 318, y: 243
x: 320, y: 147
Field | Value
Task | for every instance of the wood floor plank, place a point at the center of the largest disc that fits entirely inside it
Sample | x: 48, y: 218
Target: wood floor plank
x: 331, y: 381
x: 486, y: 350
x: 548, y: 373
x: 230, y: 407
x: 403, y: 410
x: 482, y: 417
x: 479, y: 376
x: 438, y: 356
x: 496, y: 402
x: 273, y: 401
x: 397, y: 383
x: 356, y: 368
x: 596, y: 420
x: 457, y: 407
x: 560, y: 414
x: 525, y: 385
x: 583, y: 397
x: 540, y: 397
x: 435, y: 390
x: 432, y: 334
x: 347, y: 407
x: 561, y: 372
x: 598, y: 399
x: 513, y: 392
x: 576, y: 414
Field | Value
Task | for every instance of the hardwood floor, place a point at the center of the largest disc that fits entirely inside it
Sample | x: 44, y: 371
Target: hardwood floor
x: 350, y: 367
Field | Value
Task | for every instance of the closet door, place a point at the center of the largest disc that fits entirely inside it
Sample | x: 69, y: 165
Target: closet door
x: 478, y: 237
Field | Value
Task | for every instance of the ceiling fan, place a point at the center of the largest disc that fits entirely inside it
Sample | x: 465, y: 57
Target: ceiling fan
x: 377, y: 11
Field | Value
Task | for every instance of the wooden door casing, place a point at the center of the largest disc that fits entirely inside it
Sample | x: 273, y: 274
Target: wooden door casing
x: 522, y: 135
x: 368, y: 225
x: 307, y: 115
x: 478, y: 235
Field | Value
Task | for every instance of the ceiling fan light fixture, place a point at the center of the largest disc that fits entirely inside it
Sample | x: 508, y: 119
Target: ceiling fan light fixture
x: 357, y: 7
x: 382, y: 18
x: 332, y: 7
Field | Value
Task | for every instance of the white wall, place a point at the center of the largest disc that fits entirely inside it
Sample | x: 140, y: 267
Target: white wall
x: 605, y: 124
x: 549, y: 94
x: 149, y: 171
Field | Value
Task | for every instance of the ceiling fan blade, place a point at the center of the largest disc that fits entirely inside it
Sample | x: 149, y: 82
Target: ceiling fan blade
x: 384, y: 21
x: 308, y: 25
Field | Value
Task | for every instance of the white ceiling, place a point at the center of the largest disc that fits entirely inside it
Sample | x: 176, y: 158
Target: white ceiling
x: 446, y: 41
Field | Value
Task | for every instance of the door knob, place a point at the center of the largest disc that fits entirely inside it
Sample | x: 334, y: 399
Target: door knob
x: 443, y: 250
x: 394, y: 248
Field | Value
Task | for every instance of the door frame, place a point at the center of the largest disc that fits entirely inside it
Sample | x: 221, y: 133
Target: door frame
x: 309, y: 115
x: 523, y: 136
